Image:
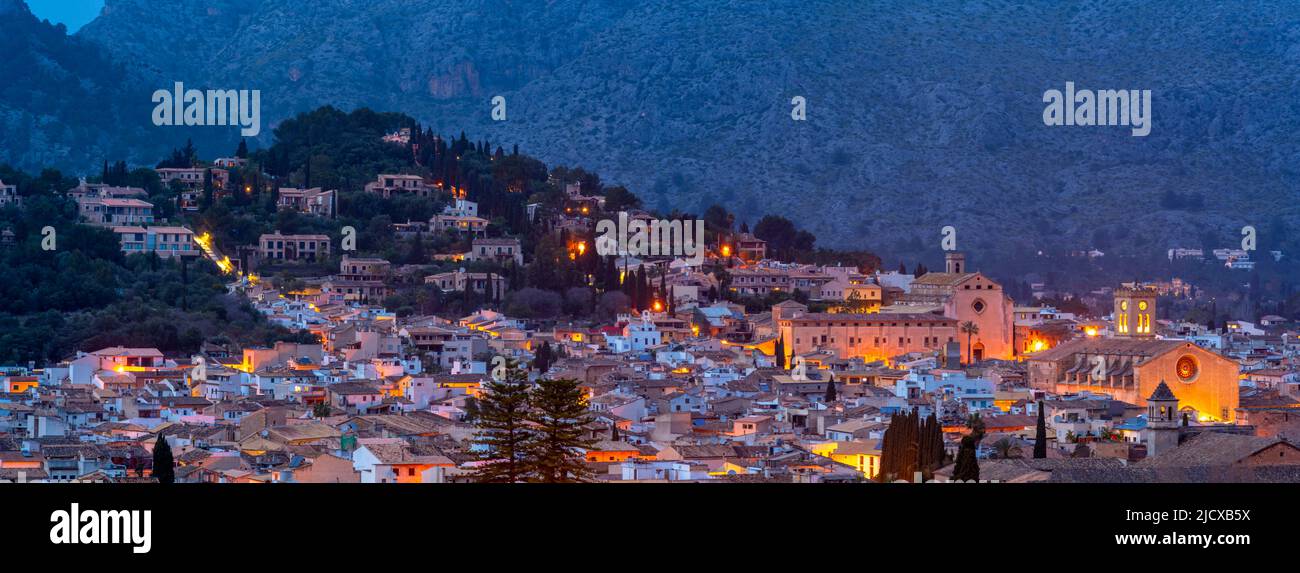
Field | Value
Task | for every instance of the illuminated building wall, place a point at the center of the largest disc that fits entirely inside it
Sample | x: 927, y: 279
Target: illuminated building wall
x: 1131, y: 369
x: 871, y: 336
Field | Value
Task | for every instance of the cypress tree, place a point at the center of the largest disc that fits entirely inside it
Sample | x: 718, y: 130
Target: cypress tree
x: 503, y: 428
x: 900, y: 448
x: 560, y: 416
x: 646, y: 293
x: 830, y: 392
x: 930, y: 455
x: 663, y: 288
x: 1040, y: 435
x: 164, y: 467
x: 416, y: 255
x: 611, y: 275
x: 780, y: 352
x: 631, y: 287
x: 887, y: 449
x: 208, y: 189
x: 544, y: 358
x: 936, y: 444
x: 185, y: 283
x: 967, y: 465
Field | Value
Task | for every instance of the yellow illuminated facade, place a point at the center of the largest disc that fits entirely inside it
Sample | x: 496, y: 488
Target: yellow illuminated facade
x: 1135, y: 310
x: 865, y: 457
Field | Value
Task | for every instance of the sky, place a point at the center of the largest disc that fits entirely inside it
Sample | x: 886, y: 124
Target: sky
x: 72, y: 13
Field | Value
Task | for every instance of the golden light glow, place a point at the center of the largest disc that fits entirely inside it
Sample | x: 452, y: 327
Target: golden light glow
x: 1187, y: 368
x: 224, y: 263
x: 1037, y: 345
x: 1090, y: 331
x: 658, y: 306
x: 726, y: 250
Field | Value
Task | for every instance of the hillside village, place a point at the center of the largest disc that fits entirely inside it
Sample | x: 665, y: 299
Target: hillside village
x: 750, y: 367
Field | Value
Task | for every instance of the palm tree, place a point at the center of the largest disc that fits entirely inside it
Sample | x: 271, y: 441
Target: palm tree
x: 1006, y: 449
x: 969, y: 329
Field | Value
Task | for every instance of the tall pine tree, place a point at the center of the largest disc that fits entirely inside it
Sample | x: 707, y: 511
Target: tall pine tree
x: 504, y: 431
x: 561, y: 417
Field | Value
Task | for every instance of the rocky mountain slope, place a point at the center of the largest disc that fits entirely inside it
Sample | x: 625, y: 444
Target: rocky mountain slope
x: 918, y: 117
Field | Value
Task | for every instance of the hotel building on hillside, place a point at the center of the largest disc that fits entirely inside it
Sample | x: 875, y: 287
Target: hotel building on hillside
x: 314, y: 201
x: 167, y: 242
x: 277, y: 247
x: 106, y: 211
x: 387, y: 185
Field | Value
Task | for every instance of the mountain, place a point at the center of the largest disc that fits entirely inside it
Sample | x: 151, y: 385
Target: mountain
x: 60, y: 96
x: 918, y: 117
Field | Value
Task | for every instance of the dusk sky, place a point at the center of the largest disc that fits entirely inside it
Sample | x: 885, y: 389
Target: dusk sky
x: 72, y: 13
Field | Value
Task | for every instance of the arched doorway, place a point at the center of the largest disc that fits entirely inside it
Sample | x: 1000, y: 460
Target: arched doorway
x: 977, y: 352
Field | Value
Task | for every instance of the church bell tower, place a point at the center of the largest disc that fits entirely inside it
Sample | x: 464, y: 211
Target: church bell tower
x: 1135, y: 311
x: 954, y: 262
x: 1163, y: 420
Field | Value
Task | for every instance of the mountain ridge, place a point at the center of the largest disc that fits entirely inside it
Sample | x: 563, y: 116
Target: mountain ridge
x: 917, y: 118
